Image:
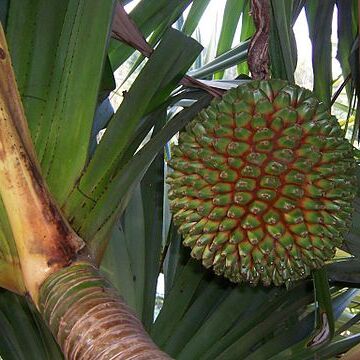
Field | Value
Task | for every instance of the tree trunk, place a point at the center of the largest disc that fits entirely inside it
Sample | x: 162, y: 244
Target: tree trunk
x: 89, y: 319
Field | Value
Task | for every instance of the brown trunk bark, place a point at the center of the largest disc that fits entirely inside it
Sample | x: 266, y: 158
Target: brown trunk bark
x: 90, y: 320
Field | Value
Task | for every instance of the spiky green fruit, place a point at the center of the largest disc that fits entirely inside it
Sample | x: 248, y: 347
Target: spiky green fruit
x: 263, y: 183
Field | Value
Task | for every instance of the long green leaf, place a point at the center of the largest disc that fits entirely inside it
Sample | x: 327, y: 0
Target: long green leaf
x: 172, y: 262
x: 9, y: 346
x: 300, y: 328
x: 177, y: 302
x: 114, y: 199
x: 116, y: 266
x: 230, y: 20
x: 148, y: 16
x: 152, y: 192
x: 159, y: 76
x: 353, y: 321
x: 346, y: 272
x: 230, y: 312
x: 243, y: 346
x: 4, y: 7
x: 351, y: 243
x: 292, y: 331
x: 134, y: 230
x: 282, y: 45
x: 339, y: 347
x: 247, y: 31
x: 298, y: 5
x: 302, y: 350
x: 48, y: 43
x: 22, y: 336
x: 155, y: 38
x: 347, y: 31
x: 324, y: 325
x: 102, y: 116
x: 224, y: 61
x: 319, y: 16
x: 107, y: 84
x: 197, y: 9
x: 207, y: 302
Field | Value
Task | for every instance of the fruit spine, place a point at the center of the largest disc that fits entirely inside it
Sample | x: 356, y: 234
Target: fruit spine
x: 263, y: 183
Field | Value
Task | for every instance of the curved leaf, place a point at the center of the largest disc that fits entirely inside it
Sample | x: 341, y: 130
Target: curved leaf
x: 197, y: 9
x: 319, y: 16
x: 230, y: 20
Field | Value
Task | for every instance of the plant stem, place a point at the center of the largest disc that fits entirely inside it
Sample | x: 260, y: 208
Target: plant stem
x: 258, y: 53
x: 90, y: 320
